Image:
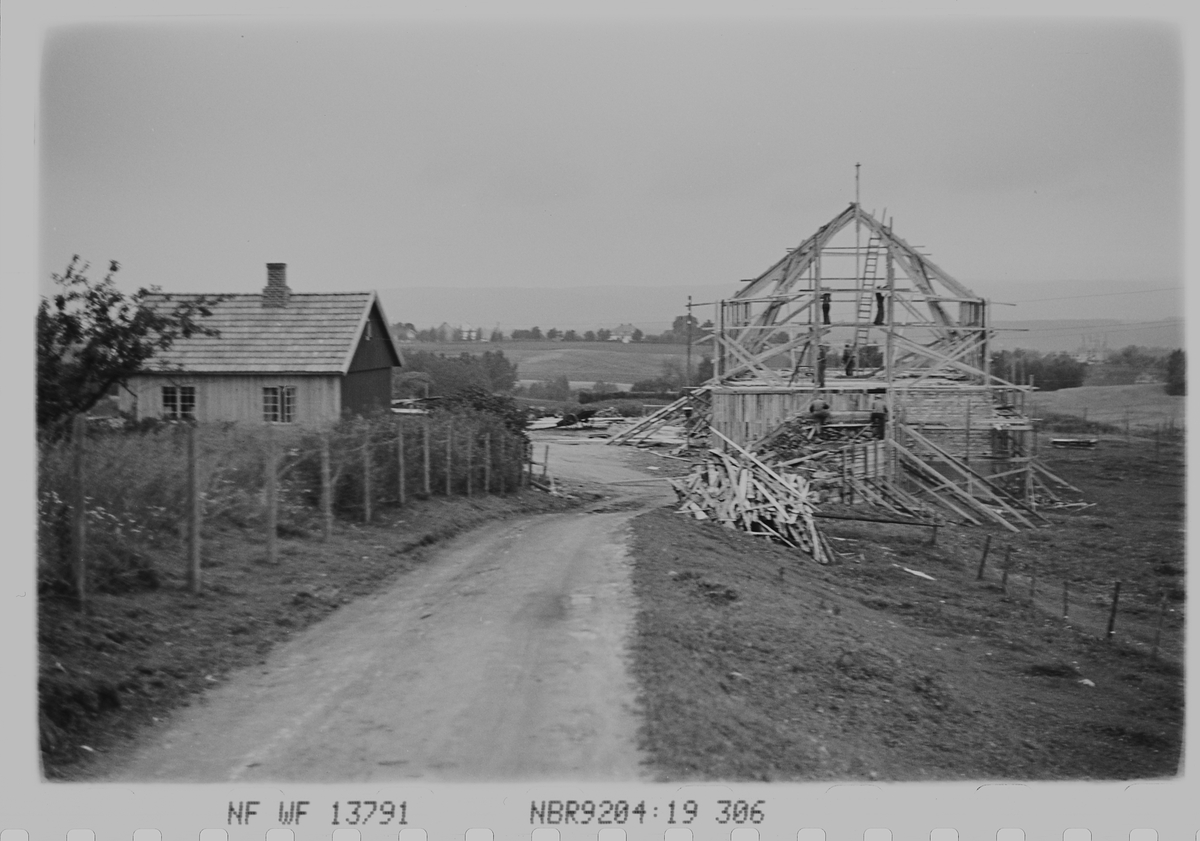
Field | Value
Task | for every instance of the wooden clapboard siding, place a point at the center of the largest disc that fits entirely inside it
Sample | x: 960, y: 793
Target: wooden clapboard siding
x: 364, y: 392
x: 238, y: 398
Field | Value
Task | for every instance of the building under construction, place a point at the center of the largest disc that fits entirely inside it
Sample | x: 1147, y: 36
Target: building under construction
x: 859, y: 362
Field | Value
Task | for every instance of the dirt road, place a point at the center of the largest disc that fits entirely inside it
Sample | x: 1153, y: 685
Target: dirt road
x: 502, y: 658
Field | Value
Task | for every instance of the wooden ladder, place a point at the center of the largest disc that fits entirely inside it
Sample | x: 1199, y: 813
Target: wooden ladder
x: 865, y: 304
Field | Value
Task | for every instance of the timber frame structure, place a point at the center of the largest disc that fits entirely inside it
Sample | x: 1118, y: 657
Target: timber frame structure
x: 864, y: 326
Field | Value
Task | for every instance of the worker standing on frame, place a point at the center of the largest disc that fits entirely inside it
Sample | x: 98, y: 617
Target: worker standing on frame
x: 826, y: 299
x: 878, y: 308
x: 879, y: 414
x: 848, y: 359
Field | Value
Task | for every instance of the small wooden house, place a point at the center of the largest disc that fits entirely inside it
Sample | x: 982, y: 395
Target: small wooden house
x: 281, y: 357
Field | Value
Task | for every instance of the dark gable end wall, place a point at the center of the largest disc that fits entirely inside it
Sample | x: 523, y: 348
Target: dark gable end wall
x: 368, y: 386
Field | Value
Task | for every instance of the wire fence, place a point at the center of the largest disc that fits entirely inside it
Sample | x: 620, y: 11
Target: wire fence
x: 110, y: 501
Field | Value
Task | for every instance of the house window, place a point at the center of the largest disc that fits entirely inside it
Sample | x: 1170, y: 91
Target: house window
x: 179, y: 402
x: 279, y: 404
x: 367, y: 334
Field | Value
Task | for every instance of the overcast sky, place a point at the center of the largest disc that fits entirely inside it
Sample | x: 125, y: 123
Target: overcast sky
x: 549, y: 153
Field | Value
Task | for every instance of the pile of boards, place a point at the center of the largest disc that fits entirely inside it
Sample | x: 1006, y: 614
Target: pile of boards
x: 743, y: 493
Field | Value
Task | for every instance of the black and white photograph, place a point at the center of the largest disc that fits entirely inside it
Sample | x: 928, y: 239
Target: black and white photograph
x: 611, y: 399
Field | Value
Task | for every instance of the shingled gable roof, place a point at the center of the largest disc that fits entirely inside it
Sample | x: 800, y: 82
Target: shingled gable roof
x: 313, y: 334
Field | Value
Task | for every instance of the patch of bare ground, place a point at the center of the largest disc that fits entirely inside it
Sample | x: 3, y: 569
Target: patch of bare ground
x: 756, y: 663
x: 108, y: 676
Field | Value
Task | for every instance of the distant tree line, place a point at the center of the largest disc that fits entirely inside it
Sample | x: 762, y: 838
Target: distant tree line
x: 1129, y: 365
x: 678, y: 334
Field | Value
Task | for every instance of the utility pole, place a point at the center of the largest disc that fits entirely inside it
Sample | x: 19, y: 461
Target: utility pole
x: 688, y: 378
x: 857, y: 228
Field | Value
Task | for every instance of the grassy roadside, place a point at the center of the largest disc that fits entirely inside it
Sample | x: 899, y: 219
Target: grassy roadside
x: 107, y: 676
x: 756, y: 663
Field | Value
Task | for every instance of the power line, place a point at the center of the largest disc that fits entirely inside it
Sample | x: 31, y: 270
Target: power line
x: 1100, y: 295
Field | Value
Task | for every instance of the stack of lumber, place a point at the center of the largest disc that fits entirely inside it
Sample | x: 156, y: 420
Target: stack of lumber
x: 743, y: 493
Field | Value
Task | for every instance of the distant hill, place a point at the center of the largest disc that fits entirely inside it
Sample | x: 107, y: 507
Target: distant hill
x: 579, y: 362
x: 1071, y: 334
x: 651, y: 309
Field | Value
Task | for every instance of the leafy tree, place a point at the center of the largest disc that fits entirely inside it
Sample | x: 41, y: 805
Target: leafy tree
x: 1050, y: 372
x: 570, y: 336
x: 558, y: 388
x: 589, y: 336
x: 497, y: 335
x: 637, y: 335
x: 679, y: 327
x: 704, y: 371
x: 1176, y: 373
x: 553, y: 333
x: 603, y: 334
x: 91, y: 336
x: 501, y: 406
x: 447, y: 376
x: 501, y: 373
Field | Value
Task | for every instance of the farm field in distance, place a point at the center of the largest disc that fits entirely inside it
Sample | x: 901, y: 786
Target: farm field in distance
x: 1146, y: 405
x: 579, y: 362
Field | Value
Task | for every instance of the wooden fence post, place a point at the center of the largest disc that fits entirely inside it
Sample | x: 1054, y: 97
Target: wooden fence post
x: 402, y: 490
x: 428, y: 489
x: 194, y: 513
x: 78, y: 512
x: 366, y: 465
x: 470, y: 455
x: 546, y: 462
x: 449, y: 452
x: 987, y: 544
x: 487, y: 463
x: 1065, y: 603
x: 326, y: 490
x: 272, y: 496
x: 1112, y: 614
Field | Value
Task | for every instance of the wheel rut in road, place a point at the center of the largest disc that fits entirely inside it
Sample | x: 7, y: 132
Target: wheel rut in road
x: 502, y: 658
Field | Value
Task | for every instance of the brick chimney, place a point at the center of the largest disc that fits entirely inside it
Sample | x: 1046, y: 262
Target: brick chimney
x: 276, y: 292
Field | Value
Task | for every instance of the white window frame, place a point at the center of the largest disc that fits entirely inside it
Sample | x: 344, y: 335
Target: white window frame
x: 279, y: 403
x: 174, y: 401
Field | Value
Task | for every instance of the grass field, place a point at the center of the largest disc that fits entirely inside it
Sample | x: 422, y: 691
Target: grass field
x: 1145, y: 406
x: 757, y: 664
x: 580, y: 362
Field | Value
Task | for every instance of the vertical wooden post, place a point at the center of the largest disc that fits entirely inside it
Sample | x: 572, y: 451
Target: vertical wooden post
x: 427, y: 488
x: 470, y: 456
x: 987, y: 544
x: 449, y: 451
x: 546, y: 462
x: 326, y: 490
x: 1066, y: 587
x: 529, y: 475
x: 402, y: 491
x: 272, y: 496
x: 193, y: 482
x: 487, y: 463
x: 1112, y: 614
x: 967, y: 448
x: 366, y: 465
x: 78, y: 512
x: 1162, y: 609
